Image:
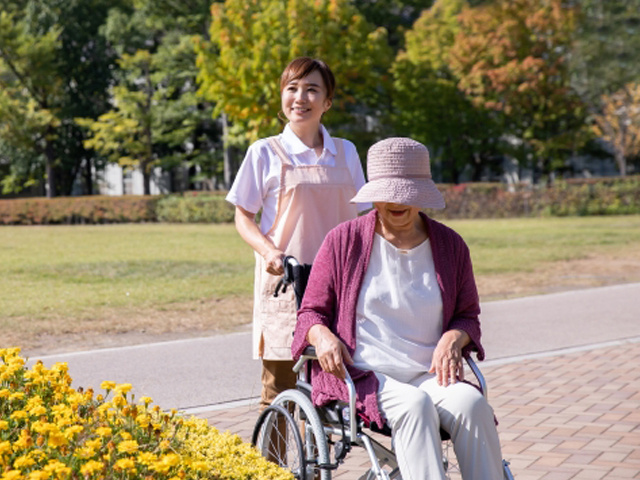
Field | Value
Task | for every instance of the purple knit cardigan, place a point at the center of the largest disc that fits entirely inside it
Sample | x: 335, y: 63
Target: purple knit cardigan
x: 332, y: 294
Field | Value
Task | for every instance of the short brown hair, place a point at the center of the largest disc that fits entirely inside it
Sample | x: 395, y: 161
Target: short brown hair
x: 303, y: 66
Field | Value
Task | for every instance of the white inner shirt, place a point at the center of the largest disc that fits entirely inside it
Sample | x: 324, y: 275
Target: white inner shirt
x: 399, y: 311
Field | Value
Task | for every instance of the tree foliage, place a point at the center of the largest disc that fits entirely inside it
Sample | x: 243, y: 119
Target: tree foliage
x: 252, y: 41
x: 512, y: 57
x: 619, y: 123
x: 30, y: 97
x: 429, y: 105
x: 73, y: 79
x: 153, y: 116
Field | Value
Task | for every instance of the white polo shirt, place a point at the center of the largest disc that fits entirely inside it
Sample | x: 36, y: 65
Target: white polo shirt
x: 257, y: 183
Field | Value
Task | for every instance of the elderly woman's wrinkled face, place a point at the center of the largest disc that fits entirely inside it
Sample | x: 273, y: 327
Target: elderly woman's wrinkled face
x: 394, y: 216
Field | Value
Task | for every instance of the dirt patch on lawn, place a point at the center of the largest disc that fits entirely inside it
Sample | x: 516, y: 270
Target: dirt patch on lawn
x: 120, y: 327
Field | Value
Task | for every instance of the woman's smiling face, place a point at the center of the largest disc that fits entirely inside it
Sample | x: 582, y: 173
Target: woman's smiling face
x: 305, y: 99
x: 396, y: 217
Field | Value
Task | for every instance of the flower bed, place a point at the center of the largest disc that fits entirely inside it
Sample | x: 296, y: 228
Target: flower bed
x: 48, y: 430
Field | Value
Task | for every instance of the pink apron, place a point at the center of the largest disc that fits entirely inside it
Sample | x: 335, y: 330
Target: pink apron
x: 312, y: 200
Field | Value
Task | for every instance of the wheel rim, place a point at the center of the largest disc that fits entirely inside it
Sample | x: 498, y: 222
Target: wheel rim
x: 278, y: 439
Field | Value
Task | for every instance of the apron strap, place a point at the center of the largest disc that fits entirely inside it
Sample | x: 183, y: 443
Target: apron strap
x: 341, y: 160
x: 277, y: 147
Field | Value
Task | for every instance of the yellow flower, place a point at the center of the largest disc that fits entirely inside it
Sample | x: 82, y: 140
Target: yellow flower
x: 24, y: 461
x: 91, y: 467
x: 123, y: 388
x: 106, y: 385
x: 57, y: 439
x: 25, y: 441
x: 119, y: 401
x: 166, y: 463
x: 85, y: 452
x: 38, y: 475
x: 146, y: 458
x: 103, y: 431
x: 72, y: 431
x: 128, y: 446
x: 16, y: 396
x: 146, y: 400
x: 37, y: 411
x: 4, y: 424
x: 12, y: 475
x: 125, y: 464
x: 5, y: 447
x: 5, y: 393
x: 95, y: 443
x: 58, y: 468
x: 18, y: 415
x: 143, y: 420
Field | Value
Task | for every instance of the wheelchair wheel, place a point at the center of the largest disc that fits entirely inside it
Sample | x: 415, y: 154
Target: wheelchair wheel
x: 314, y: 439
x: 277, y: 438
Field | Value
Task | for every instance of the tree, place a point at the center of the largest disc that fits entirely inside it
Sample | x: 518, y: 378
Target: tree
x: 75, y: 80
x: 512, y: 57
x: 604, y: 56
x: 619, y: 124
x: 153, y: 116
x: 430, y: 107
x: 29, y: 98
x: 252, y: 41
x: 188, y: 136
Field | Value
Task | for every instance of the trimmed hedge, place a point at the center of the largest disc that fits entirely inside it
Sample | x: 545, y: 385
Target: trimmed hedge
x: 578, y: 197
x: 78, y: 210
x: 603, y: 196
x: 195, y: 207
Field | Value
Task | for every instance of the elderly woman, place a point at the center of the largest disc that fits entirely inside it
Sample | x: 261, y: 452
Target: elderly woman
x: 392, y: 295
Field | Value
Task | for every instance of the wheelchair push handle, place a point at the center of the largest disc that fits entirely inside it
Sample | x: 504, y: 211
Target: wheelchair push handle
x: 288, y: 264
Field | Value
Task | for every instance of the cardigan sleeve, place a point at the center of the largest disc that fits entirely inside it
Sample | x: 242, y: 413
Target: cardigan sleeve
x: 320, y: 297
x: 467, y: 306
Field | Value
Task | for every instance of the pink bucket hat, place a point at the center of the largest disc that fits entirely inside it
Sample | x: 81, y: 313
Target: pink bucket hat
x: 399, y: 172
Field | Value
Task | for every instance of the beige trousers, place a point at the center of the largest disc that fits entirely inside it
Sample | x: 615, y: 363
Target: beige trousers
x: 277, y: 376
x: 415, y: 411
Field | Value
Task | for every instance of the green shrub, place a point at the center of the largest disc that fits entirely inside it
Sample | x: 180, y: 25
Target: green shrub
x: 195, y: 208
x: 48, y: 430
x: 602, y: 196
x: 78, y: 210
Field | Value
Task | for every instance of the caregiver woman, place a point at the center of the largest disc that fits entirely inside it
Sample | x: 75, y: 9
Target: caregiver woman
x: 392, y: 294
x: 302, y: 180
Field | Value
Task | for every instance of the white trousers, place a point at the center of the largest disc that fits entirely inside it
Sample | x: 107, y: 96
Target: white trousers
x: 415, y: 410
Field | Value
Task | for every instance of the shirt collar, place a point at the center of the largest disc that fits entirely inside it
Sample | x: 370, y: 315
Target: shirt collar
x: 296, y: 147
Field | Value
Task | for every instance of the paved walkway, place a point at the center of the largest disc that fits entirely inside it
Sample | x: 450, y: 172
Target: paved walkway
x: 563, y: 372
x: 573, y: 414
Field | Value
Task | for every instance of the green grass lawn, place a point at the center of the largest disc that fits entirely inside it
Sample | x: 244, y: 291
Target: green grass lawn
x: 70, y: 270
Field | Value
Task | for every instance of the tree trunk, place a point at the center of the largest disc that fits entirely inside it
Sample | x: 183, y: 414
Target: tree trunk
x: 50, y: 166
x: 621, y: 162
x: 88, y: 175
x: 228, y: 161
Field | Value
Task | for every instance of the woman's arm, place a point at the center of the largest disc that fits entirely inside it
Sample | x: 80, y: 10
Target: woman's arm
x: 250, y: 233
x: 332, y: 353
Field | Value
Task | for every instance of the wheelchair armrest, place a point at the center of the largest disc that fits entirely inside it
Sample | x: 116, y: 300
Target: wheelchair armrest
x: 309, y: 353
x: 478, y: 374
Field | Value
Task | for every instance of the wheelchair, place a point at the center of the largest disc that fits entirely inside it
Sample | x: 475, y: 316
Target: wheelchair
x: 311, y: 442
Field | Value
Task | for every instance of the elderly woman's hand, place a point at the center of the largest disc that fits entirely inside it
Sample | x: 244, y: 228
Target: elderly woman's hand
x: 332, y: 353
x: 447, y: 357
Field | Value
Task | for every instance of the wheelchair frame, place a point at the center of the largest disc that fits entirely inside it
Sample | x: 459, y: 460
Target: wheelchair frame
x: 295, y: 434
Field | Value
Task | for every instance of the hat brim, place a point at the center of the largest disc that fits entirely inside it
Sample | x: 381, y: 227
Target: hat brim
x: 421, y: 193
